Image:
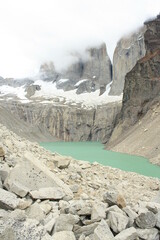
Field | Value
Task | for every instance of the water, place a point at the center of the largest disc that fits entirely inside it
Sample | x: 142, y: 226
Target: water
x: 94, y: 152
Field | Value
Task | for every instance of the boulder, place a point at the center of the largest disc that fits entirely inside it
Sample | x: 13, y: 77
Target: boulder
x: 114, y: 198
x: 131, y: 214
x: 146, y: 220
x: 64, y: 235
x: 35, y: 212
x: 33, y: 175
x: 148, y: 234
x: 52, y: 193
x: 19, y: 189
x: 86, y: 230
x: 117, y: 221
x: 8, y: 200
x: 98, y: 211
x: 65, y: 222
x: 103, y: 232
x: 127, y: 234
x: 62, y: 162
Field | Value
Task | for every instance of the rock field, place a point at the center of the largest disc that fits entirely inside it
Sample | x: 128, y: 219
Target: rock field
x: 47, y: 196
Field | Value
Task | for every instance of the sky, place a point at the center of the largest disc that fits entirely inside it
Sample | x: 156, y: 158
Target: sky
x: 37, y: 31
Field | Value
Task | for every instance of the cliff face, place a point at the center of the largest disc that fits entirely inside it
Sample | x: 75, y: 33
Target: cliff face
x: 142, y: 87
x: 96, y: 69
x: 126, y: 54
x: 68, y: 123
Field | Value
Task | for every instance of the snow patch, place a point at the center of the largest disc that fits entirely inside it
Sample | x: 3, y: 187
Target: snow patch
x: 79, y: 82
x: 63, y: 80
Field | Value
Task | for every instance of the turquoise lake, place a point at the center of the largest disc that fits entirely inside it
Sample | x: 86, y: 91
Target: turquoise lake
x: 94, y: 152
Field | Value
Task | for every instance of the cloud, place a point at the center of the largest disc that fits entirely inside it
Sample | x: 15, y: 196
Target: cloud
x: 34, y: 31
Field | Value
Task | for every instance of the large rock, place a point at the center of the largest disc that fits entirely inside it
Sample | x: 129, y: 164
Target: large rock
x: 117, y: 221
x: 86, y: 230
x: 114, y: 198
x: 8, y: 200
x: 64, y: 235
x: 146, y: 220
x: 65, y: 222
x: 148, y: 234
x: 14, y: 226
x: 35, y: 212
x: 98, y: 211
x: 52, y: 193
x: 127, y: 52
x: 103, y: 232
x: 32, y: 174
x: 127, y: 234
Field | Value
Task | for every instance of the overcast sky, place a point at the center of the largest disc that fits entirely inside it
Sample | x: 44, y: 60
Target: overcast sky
x: 34, y: 31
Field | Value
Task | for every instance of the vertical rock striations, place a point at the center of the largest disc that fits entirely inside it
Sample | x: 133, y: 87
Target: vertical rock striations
x: 95, y: 70
x: 141, y: 93
x: 126, y: 54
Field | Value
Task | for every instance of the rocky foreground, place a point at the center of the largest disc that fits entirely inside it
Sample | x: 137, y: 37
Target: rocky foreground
x: 48, y: 196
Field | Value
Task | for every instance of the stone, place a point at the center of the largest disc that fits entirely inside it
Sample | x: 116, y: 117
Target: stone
x: 26, y: 230
x: 148, y: 234
x: 64, y: 235
x: 19, y: 189
x: 74, y: 188
x: 103, y: 232
x: 85, y: 211
x: 24, y: 203
x: 8, y: 200
x: 127, y: 234
x: 65, y: 222
x: 98, y: 211
x: 62, y: 162
x: 115, y: 208
x: 35, y: 212
x: 50, y: 225
x: 86, y: 230
x: 131, y: 214
x: 51, y: 193
x: 4, y: 171
x: 34, y: 175
x: 46, y: 207
x: 117, y: 221
x: 153, y: 207
x: 46, y: 237
x: 158, y: 219
x: 114, y: 198
x: 146, y: 220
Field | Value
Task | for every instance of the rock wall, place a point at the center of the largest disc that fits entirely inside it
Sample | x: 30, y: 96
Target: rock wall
x: 69, y: 123
x: 142, y: 85
x: 127, y: 52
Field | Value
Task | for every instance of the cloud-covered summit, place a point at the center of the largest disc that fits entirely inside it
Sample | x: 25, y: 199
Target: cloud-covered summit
x: 33, y: 32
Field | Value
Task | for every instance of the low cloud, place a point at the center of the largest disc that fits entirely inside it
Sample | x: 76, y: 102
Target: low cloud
x: 33, y: 32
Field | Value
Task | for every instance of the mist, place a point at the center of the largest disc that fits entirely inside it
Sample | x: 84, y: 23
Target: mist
x: 37, y: 31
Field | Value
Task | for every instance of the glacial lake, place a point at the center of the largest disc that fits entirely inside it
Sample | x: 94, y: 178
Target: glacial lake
x: 94, y: 152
